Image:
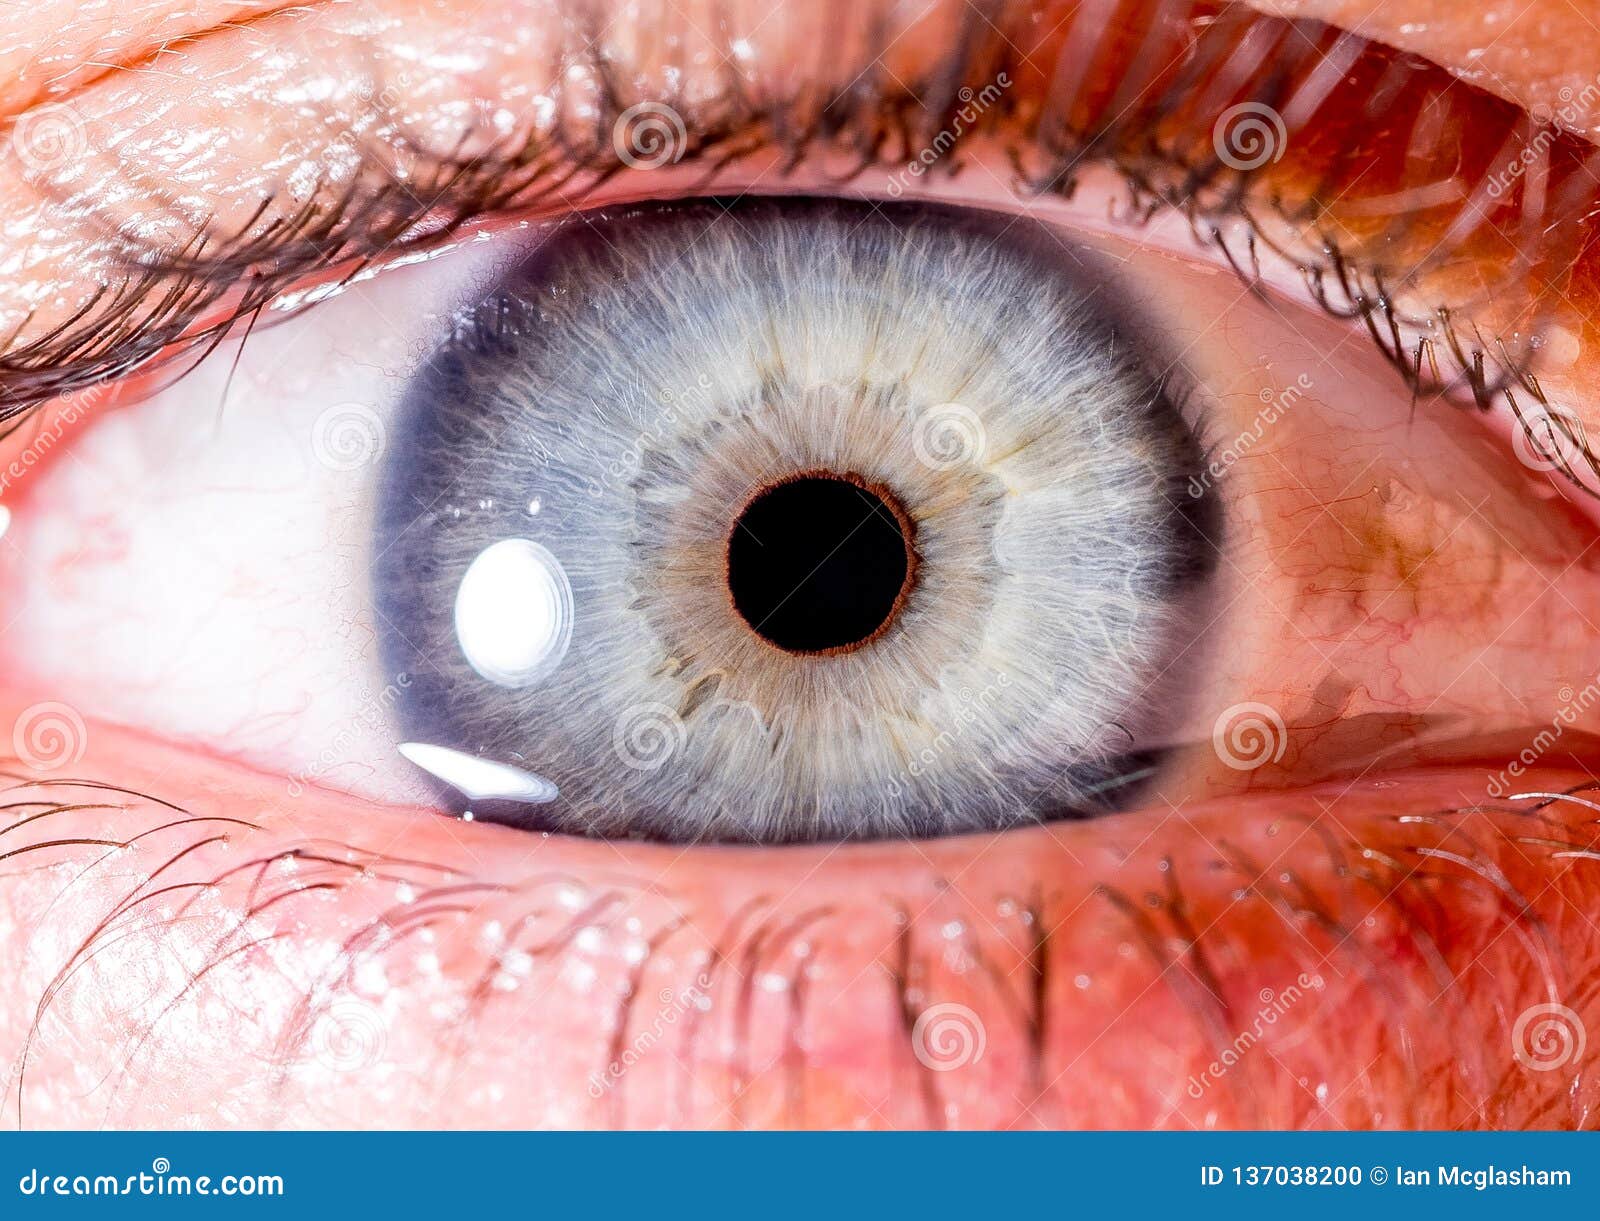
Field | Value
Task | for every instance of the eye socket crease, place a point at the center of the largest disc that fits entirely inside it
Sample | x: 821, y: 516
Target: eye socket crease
x: 182, y: 294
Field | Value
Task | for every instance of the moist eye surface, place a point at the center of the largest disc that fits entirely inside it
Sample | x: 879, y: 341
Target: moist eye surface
x: 789, y: 520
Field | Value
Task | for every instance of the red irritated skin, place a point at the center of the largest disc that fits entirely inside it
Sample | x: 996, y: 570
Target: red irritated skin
x: 252, y: 958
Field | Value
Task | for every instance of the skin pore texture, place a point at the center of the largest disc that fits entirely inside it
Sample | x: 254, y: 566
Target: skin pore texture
x: 1352, y: 934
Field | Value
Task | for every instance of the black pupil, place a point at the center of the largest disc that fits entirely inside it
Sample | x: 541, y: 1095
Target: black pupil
x: 817, y: 563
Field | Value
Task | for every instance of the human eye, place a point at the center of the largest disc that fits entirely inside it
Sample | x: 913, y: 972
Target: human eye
x: 855, y: 567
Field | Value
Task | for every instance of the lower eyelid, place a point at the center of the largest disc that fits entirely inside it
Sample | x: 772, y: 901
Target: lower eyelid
x: 1087, y: 975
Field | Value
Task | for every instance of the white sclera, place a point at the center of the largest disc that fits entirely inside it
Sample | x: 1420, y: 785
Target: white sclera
x: 514, y: 613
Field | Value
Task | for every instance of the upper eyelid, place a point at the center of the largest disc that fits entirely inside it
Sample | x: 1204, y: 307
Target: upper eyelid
x: 879, y: 120
x: 56, y: 58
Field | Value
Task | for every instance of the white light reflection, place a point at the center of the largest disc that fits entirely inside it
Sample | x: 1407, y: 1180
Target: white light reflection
x: 479, y: 779
x: 514, y: 613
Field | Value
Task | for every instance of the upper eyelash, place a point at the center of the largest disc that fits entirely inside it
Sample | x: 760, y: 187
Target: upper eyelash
x: 1142, y: 114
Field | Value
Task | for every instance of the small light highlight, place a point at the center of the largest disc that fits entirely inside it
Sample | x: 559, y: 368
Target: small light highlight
x: 513, y: 613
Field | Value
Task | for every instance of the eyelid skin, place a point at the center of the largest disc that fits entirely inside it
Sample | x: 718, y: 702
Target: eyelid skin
x: 353, y: 966
x: 1540, y: 56
x: 54, y: 47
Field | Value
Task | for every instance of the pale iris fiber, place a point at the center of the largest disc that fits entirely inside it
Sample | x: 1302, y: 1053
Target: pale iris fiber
x: 669, y: 370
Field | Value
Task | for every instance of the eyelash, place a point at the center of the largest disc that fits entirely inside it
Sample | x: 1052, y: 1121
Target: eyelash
x: 393, y: 899
x: 174, y: 304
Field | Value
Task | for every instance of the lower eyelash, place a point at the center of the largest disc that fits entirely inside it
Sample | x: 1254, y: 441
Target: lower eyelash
x: 1389, y: 868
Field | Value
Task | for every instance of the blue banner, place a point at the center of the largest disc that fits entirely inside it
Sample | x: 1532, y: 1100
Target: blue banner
x: 707, y: 1175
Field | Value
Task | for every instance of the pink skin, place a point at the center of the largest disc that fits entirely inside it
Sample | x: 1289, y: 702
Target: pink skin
x: 1357, y: 934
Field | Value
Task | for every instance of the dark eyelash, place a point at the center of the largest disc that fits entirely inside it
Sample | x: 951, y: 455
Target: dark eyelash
x: 1151, y: 111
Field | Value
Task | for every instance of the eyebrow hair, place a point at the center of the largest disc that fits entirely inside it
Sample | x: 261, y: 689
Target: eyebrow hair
x: 1369, y: 243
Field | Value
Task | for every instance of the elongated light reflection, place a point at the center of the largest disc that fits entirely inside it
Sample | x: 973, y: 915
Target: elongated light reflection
x: 479, y: 779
